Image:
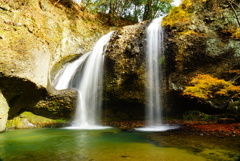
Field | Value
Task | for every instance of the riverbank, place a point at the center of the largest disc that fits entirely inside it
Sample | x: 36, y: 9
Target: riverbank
x: 187, y: 127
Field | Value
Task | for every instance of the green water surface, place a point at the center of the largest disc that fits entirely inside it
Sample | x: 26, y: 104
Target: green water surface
x: 98, y: 145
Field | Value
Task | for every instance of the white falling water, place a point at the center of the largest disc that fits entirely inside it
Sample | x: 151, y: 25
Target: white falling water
x: 153, y: 54
x: 64, y: 77
x: 155, y: 48
x: 85, y: 75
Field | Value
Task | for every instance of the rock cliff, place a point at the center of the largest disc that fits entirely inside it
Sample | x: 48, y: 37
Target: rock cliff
x: 36, y: 37
x: 202, y: 38
x: 124, y: 81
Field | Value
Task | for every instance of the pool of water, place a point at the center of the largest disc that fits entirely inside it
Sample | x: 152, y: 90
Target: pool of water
x: 105, y: 145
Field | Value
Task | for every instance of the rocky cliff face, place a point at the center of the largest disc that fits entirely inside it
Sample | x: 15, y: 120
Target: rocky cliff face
x: 202, y: 37
x: 124, y: 83
x: 36, y: 37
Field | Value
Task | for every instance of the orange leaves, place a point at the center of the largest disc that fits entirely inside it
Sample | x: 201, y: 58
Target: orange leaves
x: 207, y: 87
x: 193, y: 33
x: 237, y: 71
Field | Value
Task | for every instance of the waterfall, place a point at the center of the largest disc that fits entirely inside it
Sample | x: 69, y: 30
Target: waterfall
x: 153, y: 54
x: 64, y: 77
x: 85, y: 75
x: 154, y: 51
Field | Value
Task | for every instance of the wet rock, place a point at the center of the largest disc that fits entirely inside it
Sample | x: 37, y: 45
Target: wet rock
x: 125, y: 58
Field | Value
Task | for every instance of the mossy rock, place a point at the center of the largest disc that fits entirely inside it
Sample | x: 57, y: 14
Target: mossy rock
x: 28, y: 120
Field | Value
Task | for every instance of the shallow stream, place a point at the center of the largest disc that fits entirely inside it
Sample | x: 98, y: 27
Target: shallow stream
x: 113, y: 145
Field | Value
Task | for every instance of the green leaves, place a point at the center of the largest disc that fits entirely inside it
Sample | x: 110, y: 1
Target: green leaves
x: 135, y: 10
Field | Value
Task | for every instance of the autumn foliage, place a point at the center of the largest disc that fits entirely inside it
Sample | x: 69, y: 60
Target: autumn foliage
x: 205, y: 86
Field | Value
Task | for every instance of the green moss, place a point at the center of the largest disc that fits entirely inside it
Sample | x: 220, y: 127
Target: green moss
x: 162, y: 60
x: 29, y: 120
x: 16, y: 28
x: 195, y: 115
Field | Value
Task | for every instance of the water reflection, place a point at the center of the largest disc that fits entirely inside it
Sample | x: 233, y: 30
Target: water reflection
x: 86, y: 145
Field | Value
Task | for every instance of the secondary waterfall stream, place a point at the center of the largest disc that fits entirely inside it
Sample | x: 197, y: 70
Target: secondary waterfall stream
x: 85, y: 74
x: 153, y: 54
x: 154, y: 51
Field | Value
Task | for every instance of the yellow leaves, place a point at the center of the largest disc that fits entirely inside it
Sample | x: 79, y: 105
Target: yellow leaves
x: 195, y: 92
x: 232, y: 30
x: 176, y: 16
x: 207, y: 87
x: 191, y: 32
x: 236, y: 34
x: 187, y: 3
x: 166, y: 1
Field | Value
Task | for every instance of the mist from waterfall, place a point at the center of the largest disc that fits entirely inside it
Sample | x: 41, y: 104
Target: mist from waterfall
x: 85, y: 75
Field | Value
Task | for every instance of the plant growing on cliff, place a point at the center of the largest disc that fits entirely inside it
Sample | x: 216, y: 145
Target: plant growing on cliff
x: 207, y: 87
x: 178, y: 15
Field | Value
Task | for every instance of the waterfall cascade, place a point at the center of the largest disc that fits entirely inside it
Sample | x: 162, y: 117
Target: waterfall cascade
x: 154, y: 51
x: 153, y: 54
x: 85, y: 74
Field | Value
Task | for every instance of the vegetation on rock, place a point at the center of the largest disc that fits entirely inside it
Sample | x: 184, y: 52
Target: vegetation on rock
x: 29, y: 120
x: 208, y: 87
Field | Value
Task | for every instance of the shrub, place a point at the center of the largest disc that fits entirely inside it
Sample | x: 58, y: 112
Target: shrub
x: 208, y: 87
